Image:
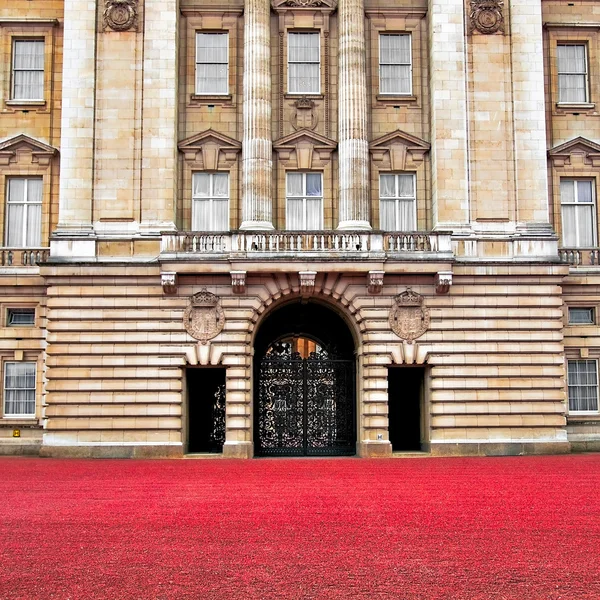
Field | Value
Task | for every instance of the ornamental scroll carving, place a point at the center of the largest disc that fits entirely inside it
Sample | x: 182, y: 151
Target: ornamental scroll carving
x: 204, y: 318
x: 486, y: 16
x: 328, y: 4
x: 409, y: 319
x: 121, y: 15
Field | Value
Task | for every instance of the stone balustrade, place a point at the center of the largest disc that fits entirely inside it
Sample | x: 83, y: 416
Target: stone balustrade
x: 23, y: 257
x: 585, y: 257
x: 334, y: 243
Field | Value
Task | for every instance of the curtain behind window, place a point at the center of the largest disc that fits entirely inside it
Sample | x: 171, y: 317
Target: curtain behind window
x: 28, y: 70
x: 212, y: 63
x: 572, y: 68
x: 394, y: 64
x: 19, y: 389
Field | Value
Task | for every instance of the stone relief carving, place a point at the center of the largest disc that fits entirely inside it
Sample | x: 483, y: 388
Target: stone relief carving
x: 305, y: 116
x: 330, y: 4
x: 486, y: 16
x: 375, y: 282
x: 409, y: 319
x: 121, y: 15
x: 204, y: 318
x: 168, y: 280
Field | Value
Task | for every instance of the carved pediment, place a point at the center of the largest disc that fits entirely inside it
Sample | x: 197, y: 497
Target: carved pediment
x: 398, y: 150
x: 210, y: 150
x: 587, y: 151
x: 25, y: 146
x: 304, y: 149
x: 329, y: 5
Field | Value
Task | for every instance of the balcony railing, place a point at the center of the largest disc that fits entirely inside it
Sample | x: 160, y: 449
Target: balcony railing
x: 322, y: 243
x: 23, y: 257
x: 580, y: 256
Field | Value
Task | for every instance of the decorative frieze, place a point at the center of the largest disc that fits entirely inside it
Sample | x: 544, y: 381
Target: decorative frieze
x: 238, y: 282
x: 486, y: 16
x: 375, y: 282
x: 328, y: 5
x: 168, y: 281
x: 121, y: 15
x: 204, y: 318
x: 409, y: 319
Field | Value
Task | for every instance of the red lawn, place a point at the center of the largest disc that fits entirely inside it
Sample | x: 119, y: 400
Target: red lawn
x: 489, y: 528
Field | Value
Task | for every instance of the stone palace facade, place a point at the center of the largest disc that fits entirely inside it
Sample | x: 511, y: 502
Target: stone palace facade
x: 299, y: 227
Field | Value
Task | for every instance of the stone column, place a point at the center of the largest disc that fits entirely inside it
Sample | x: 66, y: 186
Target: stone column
x: 77, y: 120
x: 257, y: 161
x: 353, y: 145
x: 450, y: 185
x: 529, y: 116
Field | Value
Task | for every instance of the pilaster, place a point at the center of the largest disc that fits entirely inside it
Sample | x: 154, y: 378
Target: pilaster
x: 257, y: 161
x: 353, y: 145
x: 449, y: 159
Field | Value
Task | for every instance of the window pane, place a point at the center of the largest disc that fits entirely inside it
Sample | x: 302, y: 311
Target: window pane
x: 294, y: 213
x: 16, y: 190
x: 387, y: 185
x: 394, y: 49
x: 34, y: 226
x: 201, y: 184
x: 313, y: 184
x: 406, y: 186
x: 583, y: 385
x: 585, y: 225
x: 34, y: 190
x: 571, y: 58
x: 29, y: 54
x: 584, y: 191
x: 294, y: 184
x: 314, y: 213
x: 406, y: 215
x: 201, y: 215
x: 21, y: 316
x: 221, y: 185
x: 572, y: 88
x: 303, y: 47
x: 14, y: 233
x: 394, y: 79
x: 211, y: 79
x: 19, y: 389
x: 212, y: 47
x: 567, y: 190
x: 387, y: 216
x: 304, y: 78
x: 581, y: 316
x: 28, y: 85
x: 221, y: 215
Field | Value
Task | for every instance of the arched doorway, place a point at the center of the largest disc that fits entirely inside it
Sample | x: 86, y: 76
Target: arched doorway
x: 304, y: 383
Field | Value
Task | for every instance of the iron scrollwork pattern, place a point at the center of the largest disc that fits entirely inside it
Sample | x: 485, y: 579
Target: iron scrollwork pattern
x: 305, y: 406
x: 217, y: 435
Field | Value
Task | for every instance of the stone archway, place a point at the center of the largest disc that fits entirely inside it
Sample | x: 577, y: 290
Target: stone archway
x: 304, y: 383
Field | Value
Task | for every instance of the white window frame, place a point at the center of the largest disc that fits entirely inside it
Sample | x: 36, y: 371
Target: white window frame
x: 26, y: 203
x: 580, y: 204
x: 569, y: 386
x: 14, y: 68
x: 409, y: 64
x: 8, y: 415
x: 211, y: 199
x: 303, y: 93
x: 397, y: 199
x: 584, y: 74
x: 304, y: 198
x: 198, y: 62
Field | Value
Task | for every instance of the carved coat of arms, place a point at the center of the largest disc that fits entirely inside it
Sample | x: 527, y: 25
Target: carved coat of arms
x: 409, y: 319
x: 204, y: 319
x: 121, y: 15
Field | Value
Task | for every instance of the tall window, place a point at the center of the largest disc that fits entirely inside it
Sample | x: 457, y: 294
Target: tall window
x: 578, y: 203
x: 582, y: 379
x: 24, y: 212
x: 304, y: 196
x: 397, y: 202
x: 19, y: 389
x: 210, y: 202
x: 304, y: 63
x: 395, y: 68
x: 572, y: 73
x: 28, y: 70
x: 212, y: 63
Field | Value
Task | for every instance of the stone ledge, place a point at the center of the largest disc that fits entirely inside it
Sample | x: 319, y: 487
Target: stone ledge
x: 91, y: 451
x: 500, y: 448
x: 18, y: 449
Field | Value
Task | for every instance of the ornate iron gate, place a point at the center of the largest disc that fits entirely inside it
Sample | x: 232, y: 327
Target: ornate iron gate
x: 305, y: 406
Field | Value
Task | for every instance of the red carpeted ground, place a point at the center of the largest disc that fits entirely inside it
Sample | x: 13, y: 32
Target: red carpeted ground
x: 488, y: 528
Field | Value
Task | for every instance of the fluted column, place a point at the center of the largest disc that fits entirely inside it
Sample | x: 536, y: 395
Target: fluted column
x: 353, y: 145
x: 257, y: 163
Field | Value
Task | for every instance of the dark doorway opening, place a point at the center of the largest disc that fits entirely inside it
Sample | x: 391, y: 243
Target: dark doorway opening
x: 304, y: 388
x: 405, y: 401
x: 206, y: 409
